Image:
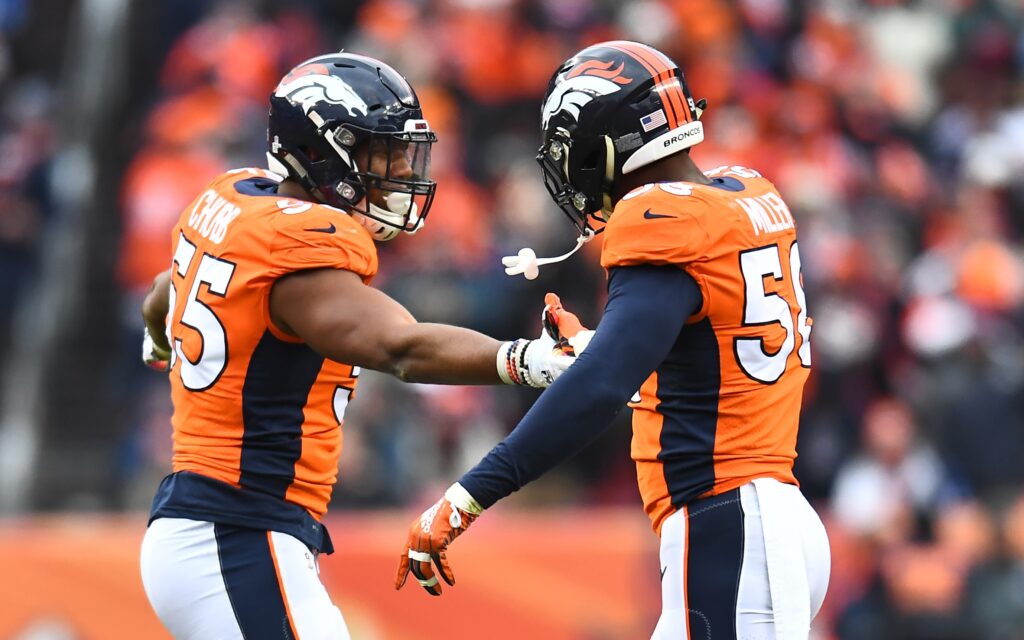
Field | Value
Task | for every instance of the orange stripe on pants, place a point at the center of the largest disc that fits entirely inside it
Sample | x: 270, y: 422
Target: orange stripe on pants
x: 280, y: 583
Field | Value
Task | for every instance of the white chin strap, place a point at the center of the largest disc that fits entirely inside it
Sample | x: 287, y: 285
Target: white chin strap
x: 398, y: 205
x: 528, y: 264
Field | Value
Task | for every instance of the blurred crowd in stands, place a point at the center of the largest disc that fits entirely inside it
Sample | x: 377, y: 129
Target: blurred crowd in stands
x: 27, y: 143
x: 893, y: 128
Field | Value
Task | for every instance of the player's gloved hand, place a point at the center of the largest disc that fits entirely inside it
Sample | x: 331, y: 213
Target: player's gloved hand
x: 537, y: 363
x: 154, y: 356
x: 564, y: 327
x: 429, y: 537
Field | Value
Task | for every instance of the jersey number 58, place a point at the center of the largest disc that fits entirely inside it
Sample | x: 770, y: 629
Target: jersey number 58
x: 761, y: 308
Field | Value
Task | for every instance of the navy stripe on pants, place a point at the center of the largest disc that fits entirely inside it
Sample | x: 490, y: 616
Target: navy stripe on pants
x: 251, y: 582
x: 714, y: 558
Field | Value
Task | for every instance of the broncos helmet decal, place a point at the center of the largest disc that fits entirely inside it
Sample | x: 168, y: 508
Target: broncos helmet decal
x: 581, y: 85
x: 312, y: 84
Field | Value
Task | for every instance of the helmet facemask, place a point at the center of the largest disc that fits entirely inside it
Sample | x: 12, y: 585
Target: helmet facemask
x: 394, y: 198
x: 397, y: 190
x: 587, y: 198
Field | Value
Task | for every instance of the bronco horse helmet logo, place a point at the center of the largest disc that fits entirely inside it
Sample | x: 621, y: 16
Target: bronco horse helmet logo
x: 312, y: 83
x: 581, y: 85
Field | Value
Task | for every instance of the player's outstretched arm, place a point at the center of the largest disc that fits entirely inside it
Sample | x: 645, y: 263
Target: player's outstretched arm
x: 344, y: 320
x: 647, y: 308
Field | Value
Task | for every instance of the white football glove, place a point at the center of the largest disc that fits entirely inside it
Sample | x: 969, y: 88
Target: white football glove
x: 153, y: 356
x: 538, y: 363
x: 533, y: 363
x: 580, y: 341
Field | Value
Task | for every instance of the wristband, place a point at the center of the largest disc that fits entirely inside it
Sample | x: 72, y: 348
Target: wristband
x: 502, y: 363
x: 460, y: 498
x: 511, y: 363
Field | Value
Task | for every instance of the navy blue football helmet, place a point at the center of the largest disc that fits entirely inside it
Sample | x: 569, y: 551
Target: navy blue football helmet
x: 323, y: 113
x: 609, y: 110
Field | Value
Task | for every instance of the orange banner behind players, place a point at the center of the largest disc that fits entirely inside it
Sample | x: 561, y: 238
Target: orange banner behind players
x: 590, y: 578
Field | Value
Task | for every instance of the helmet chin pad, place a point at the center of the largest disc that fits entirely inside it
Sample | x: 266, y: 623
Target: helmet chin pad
x: 385, y: 224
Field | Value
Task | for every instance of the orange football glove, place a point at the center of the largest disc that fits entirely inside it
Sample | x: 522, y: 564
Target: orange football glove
x: 429, y: 537
x: 564, y: 327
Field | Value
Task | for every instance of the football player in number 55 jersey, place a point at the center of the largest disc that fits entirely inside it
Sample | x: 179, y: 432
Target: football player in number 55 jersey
x: 266, y: 316
x: 705, y: 335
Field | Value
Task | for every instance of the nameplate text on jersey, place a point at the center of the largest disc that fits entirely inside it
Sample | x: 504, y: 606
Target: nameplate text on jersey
x: 211, y: 216
x: 768, y: 213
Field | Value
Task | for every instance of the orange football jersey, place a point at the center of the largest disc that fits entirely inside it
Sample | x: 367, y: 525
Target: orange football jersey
x: 254, y: 407
x: 724, y: 406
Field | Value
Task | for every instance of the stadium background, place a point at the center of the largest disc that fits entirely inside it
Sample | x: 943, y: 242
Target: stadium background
x: 894, y: 129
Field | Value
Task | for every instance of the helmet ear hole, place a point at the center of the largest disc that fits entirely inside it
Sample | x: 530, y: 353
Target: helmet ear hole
x: 312, y: 154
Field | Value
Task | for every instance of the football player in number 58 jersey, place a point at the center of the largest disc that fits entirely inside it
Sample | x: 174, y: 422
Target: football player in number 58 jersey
x: 705, y: 334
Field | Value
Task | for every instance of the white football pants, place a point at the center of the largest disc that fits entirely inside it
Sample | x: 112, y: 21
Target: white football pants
x: 750, y: 564
x: 210, y: 581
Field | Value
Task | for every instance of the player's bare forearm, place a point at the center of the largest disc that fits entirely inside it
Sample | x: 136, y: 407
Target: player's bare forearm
x: 347, y: 321
x: 443, y: 354
x: 154, y: 308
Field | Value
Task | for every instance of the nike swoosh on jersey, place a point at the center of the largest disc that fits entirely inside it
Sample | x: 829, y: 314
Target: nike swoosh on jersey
x: 330, y: 229
x: 651, y: 216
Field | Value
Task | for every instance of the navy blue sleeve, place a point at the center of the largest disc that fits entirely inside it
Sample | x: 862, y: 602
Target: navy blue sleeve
x: 647, y: 308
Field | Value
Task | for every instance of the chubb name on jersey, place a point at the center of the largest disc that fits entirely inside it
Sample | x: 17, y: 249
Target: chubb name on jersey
x: 211, y: 216
x: 768, y: 213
